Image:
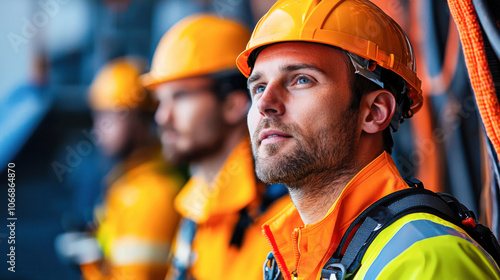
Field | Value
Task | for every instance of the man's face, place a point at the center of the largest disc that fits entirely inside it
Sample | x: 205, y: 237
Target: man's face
x: 190, y: 119
x: 115, y: 130
x: 300, y: 121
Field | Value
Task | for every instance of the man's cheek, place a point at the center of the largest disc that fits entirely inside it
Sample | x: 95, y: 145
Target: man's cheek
x: 252, y: 121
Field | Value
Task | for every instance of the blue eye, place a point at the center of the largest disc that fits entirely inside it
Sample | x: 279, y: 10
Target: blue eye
x: 303, y: 80
x: 260, y: 89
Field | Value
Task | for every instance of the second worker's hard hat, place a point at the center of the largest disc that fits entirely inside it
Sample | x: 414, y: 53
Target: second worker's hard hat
x: 356, y: 26
x: 117, y: 87
x: 200, y: 44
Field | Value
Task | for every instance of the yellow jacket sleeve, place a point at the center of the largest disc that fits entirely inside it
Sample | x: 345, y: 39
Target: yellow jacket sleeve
x: 423, y: 246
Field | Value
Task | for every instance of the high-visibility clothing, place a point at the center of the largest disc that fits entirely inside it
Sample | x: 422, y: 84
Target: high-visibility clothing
x: 417, y: 246
x: 215, y: 209
x: 138, y: 219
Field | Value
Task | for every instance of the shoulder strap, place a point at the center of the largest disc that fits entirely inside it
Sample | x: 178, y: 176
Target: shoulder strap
x: 390, y: 208
x: 182, y: 258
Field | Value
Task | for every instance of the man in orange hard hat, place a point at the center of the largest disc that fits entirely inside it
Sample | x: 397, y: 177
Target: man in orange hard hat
x: 202, y: 118
x: 328, y: 80
x: 137, y: 221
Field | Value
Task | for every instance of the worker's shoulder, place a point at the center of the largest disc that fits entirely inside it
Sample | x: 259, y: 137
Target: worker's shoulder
x: 151, y: 187
x: 425, y: 246
x: 155, y: 175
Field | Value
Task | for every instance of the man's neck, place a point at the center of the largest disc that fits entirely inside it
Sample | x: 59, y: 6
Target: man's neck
x: 141, y: 150
x: 315, y: 197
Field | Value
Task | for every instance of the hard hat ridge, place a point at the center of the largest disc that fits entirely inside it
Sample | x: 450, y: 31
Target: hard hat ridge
x: 198, y: 45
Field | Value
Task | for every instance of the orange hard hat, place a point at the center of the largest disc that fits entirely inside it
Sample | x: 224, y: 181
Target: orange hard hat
x: 356, y: 26
x: 199, y: 44
x: 117, y: 87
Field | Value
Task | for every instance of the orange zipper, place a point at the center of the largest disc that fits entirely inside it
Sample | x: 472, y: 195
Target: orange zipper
x: 295, y: 243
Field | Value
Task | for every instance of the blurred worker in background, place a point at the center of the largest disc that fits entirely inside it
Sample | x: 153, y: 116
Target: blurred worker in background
x: 202, y: 118
x: 137, y: 221
x: 329, y: 80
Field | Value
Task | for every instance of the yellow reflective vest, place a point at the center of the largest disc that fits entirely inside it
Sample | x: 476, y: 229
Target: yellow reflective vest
x: 417, y: 246
x: 138, y: 221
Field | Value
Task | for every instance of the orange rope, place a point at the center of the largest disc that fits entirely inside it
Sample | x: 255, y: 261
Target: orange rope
x: 475, y: 58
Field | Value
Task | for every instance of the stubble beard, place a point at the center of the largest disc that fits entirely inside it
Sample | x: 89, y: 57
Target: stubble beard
x: 315, y: 161
x: 196, y: 151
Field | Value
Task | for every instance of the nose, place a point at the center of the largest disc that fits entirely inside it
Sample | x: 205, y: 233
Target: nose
x: 271, y: 102
x: 163, y: 114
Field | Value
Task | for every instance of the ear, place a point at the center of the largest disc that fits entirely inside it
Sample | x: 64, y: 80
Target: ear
x: 235, y: 107
x: 377, y: 109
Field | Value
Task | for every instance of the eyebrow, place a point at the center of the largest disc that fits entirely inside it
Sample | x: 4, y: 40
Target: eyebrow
x: 294, y: 67
x: 253, y: 78
x: 287, y: 68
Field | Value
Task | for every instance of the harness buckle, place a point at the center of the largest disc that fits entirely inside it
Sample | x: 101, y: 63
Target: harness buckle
x: 271, y: 269
x: 333, y: 271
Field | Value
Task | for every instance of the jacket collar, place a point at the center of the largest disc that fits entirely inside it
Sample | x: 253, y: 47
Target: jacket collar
x: 233, y: 189
x: 304, y: 249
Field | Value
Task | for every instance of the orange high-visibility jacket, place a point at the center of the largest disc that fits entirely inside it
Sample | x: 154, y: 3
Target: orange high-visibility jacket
x: 417, y: 246
x: 215, y: 210
x: 138, y: 220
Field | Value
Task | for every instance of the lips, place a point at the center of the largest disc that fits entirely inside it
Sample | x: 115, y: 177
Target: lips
x: 270, y: 135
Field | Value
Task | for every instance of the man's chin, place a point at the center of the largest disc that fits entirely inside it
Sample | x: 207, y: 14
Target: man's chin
x: 270, y: 151
x: 267, y: 171
x: 171, y: 156
x: 175, y: 155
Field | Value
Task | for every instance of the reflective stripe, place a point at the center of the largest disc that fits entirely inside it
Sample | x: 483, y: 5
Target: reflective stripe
x: 132, y: 250
x: 411, y: 233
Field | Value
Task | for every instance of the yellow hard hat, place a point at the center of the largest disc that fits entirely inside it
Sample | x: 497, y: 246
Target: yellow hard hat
x: 357, y: 26
x: 117, y: 87
x: 199, y: 44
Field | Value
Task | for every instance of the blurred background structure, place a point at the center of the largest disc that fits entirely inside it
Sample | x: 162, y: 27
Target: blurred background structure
x: 51, y: 49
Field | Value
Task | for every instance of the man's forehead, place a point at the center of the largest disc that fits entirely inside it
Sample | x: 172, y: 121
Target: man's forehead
x: 184, y: 84
x: 290, y: 55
